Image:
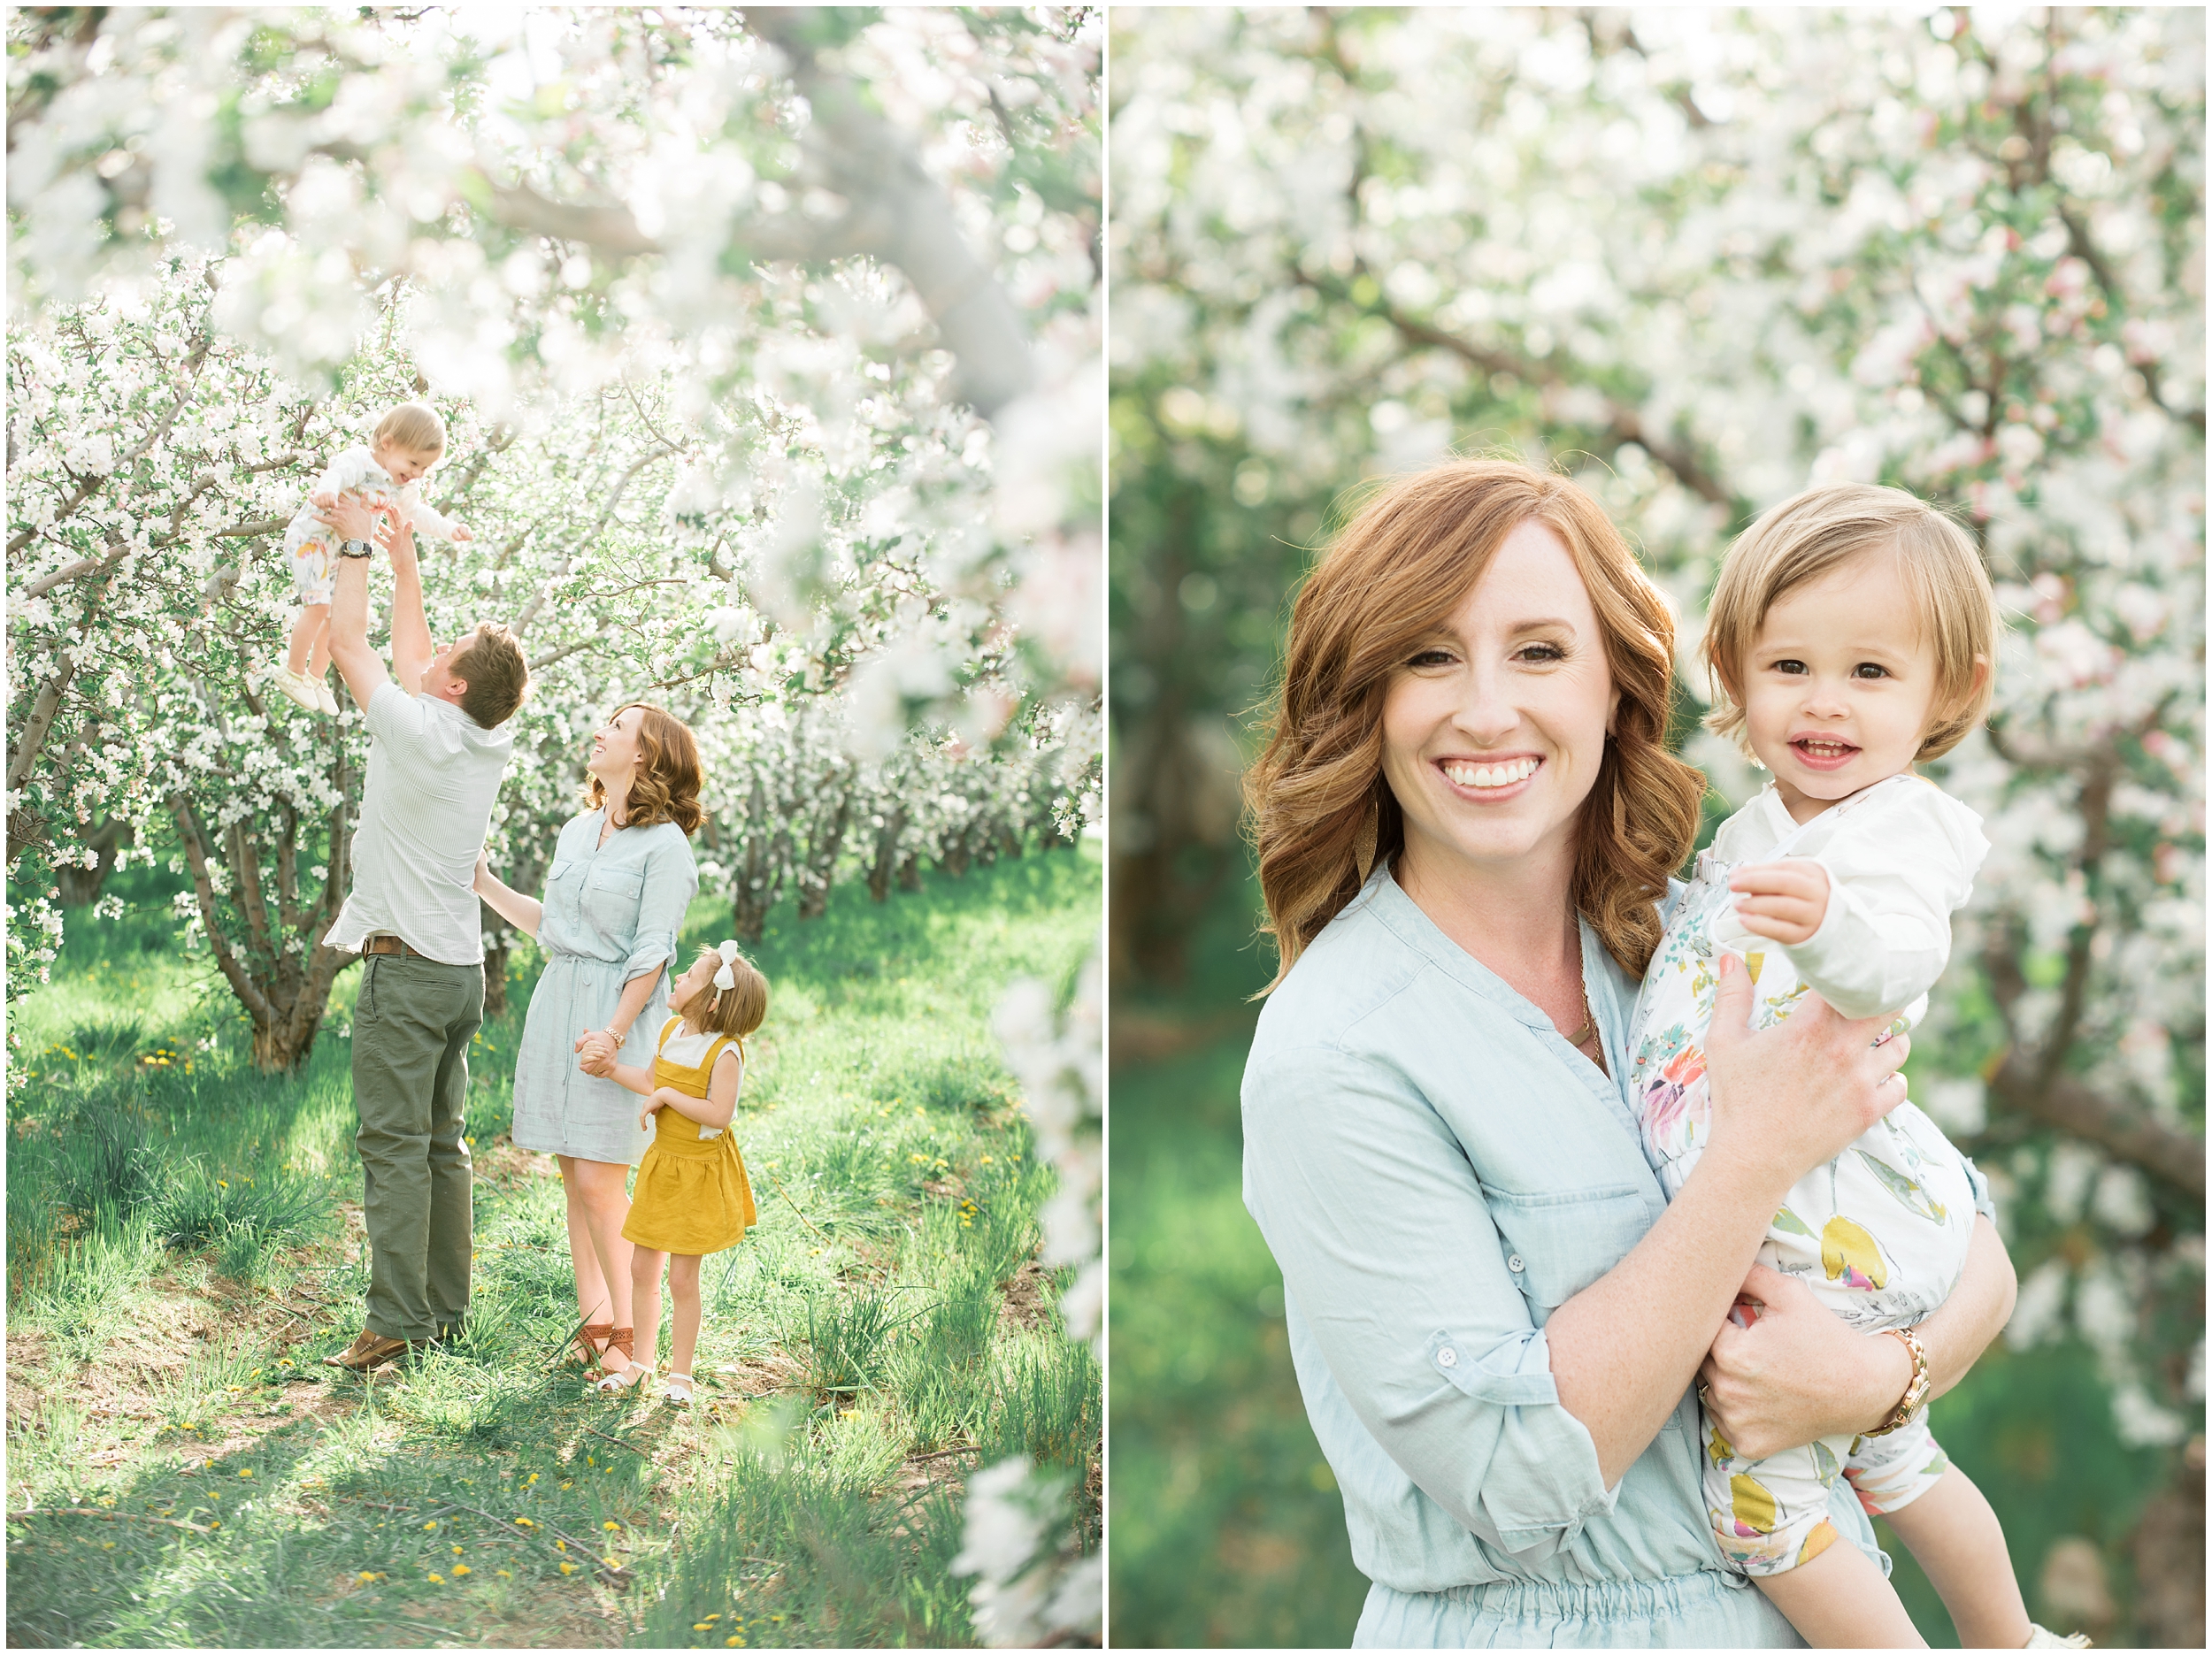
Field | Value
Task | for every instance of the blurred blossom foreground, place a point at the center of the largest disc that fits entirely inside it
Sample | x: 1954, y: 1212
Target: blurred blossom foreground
x: 1700, y: 260
x: 768, y: 346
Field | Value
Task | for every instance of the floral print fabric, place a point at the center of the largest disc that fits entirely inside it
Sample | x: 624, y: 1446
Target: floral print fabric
x: 1880, y: 1233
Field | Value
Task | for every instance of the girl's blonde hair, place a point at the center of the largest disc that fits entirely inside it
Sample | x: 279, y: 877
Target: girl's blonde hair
x: 1321, y: 812
x: 737, y: 1011
x: 1822, y: 530
x: 414, y: 426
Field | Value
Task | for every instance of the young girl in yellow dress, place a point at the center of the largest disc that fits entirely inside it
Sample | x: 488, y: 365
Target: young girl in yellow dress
x: 691, y: 1196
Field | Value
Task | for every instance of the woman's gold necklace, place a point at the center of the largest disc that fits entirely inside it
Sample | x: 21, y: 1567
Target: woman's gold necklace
x: 1589, y: 1028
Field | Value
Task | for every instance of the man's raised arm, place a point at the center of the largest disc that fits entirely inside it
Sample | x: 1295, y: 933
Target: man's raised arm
x: 359, y: 666
x: 412, y: 651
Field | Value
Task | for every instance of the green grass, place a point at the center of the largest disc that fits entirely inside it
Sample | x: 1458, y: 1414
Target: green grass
x: 1228, y: 1529
x: 183, y: 1249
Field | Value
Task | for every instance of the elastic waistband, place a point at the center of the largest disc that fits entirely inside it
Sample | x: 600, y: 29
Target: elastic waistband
x: 1595, y: 1600
x: 692, y: 1148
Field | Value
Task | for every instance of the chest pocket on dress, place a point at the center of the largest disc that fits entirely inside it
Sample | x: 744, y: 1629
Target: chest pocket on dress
x: 1556, y: 1246
x: 610, y: 898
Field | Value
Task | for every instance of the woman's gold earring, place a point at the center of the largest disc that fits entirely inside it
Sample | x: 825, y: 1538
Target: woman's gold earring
x: 1363, y: 846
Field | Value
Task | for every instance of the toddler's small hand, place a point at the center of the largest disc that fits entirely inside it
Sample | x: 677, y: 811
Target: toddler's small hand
x: 324, y: 498
x: 1785, y: 901
x: 462, y: 535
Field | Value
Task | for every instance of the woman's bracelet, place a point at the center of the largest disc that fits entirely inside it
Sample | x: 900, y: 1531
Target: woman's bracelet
x: 1915, y: 1390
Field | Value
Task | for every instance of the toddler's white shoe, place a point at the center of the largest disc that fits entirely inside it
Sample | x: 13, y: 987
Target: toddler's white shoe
x: 324, y: 699
x: 298, y: 686
x: 676, y: 1390
x: 2039, y: 1639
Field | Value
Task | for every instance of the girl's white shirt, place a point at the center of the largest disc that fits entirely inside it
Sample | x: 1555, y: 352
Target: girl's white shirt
x: 1901, y: 859
x: 357, y: 468
x: 690, y: 1050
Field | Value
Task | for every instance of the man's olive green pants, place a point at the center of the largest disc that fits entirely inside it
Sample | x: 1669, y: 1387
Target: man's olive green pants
x: 411, y: 1027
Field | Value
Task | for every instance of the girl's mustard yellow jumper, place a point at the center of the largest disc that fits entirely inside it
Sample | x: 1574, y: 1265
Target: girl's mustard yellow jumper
x: 692, y: 1196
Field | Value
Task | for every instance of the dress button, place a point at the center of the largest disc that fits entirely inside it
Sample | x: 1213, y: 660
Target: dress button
x: 1515, y: 1265
x: 1448, y: 1357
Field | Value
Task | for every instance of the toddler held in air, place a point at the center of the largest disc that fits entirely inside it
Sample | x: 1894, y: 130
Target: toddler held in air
x: 386, y: 473
x: 1852, y: 634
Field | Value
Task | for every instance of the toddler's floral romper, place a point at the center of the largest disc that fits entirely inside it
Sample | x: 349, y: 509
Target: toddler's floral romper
x: 308, y: 540
x: 1880, y: 1233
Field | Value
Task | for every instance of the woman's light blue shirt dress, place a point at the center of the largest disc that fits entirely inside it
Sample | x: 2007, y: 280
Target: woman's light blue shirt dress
x: 1436, y: 1170
x: 612, y: 912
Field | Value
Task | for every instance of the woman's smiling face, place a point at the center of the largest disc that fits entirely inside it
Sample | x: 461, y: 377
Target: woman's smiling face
x: 614, y: 750
x: 1494, y: 727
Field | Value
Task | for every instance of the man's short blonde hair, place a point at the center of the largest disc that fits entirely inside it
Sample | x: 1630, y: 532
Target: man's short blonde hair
x: 1822, y: 530
x: 414, y: 426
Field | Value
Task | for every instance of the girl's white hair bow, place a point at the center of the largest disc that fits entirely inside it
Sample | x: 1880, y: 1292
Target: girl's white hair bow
x: 725, y: 978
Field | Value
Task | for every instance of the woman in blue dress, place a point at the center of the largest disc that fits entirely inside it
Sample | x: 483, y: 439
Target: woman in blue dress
x: 621, y: 879
x: 1467, y: 818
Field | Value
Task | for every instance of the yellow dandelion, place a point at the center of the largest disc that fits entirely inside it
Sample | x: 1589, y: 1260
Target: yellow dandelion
x: 568, y: 1485
x: 246, y: 1472
x: 568, y: 1569
x: 456, y: 1551
x: 525, y: 1522
x: 432, y: 1524
x: 364, y: 1577
x: 533, y: 1477
x: 437, y: 1580
x: 506, y: 1575
x: 460, y: 1569
x: 986, y: 1161
x: 560, y: 1545
x: 611, y: 1524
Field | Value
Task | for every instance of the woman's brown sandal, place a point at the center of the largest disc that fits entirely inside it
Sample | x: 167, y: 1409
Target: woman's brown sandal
x: 587, y: 1338
x: 617, y: 1379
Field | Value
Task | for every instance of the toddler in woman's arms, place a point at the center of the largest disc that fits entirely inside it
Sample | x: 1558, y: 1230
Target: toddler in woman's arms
x: 1851, y: 633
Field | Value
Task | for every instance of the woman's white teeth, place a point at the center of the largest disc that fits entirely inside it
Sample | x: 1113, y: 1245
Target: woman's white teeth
x: 1491, y: 775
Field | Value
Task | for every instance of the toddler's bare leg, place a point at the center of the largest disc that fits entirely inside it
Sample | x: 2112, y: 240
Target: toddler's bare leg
x: 310, y: 635
x: 683, y: 1287
x: 1956, y: 1537
x: 1839, y: 1601
x: 318, y: 657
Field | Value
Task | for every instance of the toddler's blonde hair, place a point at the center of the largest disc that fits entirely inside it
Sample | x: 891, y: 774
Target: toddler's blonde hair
x: 737, y: 1011
x: 414, y: 426
x: 1820, y: 531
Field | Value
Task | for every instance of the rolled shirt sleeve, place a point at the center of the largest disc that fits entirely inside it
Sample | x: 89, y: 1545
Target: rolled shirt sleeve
x: 671, y: 879
x: 1390, y: 1250
x: 396, y: 718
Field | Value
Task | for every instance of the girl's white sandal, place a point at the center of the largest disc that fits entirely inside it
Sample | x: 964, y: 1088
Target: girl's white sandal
x: 676, y: 1390
x: 636, y: 1372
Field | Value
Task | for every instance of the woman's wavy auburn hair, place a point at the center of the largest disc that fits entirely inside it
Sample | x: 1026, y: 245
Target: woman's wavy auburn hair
x: 1396, y: 573
x: 668, y: 779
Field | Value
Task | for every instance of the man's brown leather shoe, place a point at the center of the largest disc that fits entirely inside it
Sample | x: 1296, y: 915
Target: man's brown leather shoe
x: 371, y: 1349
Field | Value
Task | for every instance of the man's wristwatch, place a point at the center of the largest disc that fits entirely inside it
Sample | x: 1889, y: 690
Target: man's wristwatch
x: 347, y: 549
x: 1915, y: 1393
